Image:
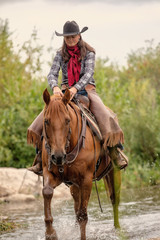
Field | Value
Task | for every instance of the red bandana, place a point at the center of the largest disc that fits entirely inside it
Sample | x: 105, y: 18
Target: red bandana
x: 74, y: 66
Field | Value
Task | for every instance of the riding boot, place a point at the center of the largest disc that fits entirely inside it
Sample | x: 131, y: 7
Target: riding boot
x: 118, y: 158
x: 34, y: 136
x: 37, y: 164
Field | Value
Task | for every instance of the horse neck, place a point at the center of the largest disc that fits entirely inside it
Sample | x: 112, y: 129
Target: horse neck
x: 75, y: 125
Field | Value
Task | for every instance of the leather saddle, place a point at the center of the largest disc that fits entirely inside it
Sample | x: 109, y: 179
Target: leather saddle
x: 83, y: 103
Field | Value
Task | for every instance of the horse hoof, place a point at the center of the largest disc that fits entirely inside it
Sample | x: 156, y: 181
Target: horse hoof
x: 53, y: 236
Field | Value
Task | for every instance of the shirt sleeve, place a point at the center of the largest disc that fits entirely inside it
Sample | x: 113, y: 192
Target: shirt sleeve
x: 88, y: 71
x: 54, y: 71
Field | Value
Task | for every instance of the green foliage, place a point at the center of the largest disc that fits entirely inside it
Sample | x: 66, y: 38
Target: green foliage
x: 7, y: 225
x: 133, y: 92
x: 21, y: 97
x: 138, y: 175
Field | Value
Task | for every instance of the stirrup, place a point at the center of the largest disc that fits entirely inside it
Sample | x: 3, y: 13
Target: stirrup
x: 124, y: 158
x: 37, y: 169
x: 119, y: 159
x: 123, y: 155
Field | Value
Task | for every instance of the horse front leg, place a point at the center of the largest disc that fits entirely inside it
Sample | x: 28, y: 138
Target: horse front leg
x: 113, y: 180
x: 76, y: 194
x: 47, y: 195
x: 82, y: 216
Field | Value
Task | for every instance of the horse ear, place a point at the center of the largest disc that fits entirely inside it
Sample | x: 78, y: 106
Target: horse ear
x: 66, y: 96
x: 46, y: 96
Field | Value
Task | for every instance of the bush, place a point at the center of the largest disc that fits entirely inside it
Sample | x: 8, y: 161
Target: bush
x: 21, y: 98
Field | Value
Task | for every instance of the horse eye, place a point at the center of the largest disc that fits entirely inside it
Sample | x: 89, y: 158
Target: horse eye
x: 67, y: 121
x: 46, y: 121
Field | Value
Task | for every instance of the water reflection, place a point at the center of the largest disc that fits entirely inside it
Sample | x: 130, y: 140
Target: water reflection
x: 139, y: 218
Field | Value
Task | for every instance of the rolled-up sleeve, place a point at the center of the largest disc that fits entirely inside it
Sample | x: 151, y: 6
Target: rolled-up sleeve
x: 88, y: 71
x: 54, y: 72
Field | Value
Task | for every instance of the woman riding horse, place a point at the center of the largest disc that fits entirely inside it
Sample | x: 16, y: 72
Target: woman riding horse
x: 77, y: 59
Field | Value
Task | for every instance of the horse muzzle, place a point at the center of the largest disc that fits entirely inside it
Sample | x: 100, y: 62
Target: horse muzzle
x: 58, y: 159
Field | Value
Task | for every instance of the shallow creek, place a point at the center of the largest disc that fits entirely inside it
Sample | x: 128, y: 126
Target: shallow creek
x: 139, y: 218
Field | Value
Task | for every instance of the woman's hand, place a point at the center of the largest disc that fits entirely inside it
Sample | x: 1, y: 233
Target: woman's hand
x: 73, y: 91
x: 57, y: 91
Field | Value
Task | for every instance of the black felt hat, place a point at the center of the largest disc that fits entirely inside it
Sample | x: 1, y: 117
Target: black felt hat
x: 71, y: 28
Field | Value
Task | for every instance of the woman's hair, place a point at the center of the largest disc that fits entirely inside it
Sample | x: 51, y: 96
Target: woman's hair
x: 83, y: 50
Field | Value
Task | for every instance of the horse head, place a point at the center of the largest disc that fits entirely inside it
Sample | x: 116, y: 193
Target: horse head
x: 56, y: 126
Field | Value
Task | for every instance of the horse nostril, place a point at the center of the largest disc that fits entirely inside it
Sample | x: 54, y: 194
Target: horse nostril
x: 59, y: 160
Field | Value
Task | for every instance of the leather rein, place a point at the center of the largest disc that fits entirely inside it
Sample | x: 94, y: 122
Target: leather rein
x: 71, y: 156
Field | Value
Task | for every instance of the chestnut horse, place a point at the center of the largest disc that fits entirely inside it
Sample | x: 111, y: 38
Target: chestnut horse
x: 62, y: 127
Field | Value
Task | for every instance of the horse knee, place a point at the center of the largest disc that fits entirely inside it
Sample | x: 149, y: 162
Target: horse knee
x: 82, y: 216
x: 47, y: 192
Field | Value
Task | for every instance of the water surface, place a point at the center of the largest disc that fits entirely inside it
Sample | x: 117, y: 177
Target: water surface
x: 139, y: 218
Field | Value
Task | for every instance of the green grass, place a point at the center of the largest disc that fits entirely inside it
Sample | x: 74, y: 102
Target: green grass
x: 137, y: 176
x: 7, y: 225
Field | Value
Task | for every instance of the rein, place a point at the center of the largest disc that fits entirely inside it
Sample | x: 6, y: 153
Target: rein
x: 71, y: 156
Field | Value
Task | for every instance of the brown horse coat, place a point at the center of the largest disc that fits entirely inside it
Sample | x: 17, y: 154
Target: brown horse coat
x: 61, y: 126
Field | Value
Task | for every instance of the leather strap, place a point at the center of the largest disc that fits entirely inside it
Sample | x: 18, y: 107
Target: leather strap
x: 70, y: 157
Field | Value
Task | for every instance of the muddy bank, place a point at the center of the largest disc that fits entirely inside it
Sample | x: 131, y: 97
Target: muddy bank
x: 21, y: 185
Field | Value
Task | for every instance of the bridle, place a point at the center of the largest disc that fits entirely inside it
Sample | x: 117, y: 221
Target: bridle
x: 72, y: 155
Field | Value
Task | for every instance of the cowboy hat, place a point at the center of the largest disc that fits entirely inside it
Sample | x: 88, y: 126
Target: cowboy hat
x: 71, y: 28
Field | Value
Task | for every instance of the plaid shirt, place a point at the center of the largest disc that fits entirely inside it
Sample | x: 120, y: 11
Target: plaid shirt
x: 86, y: 74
